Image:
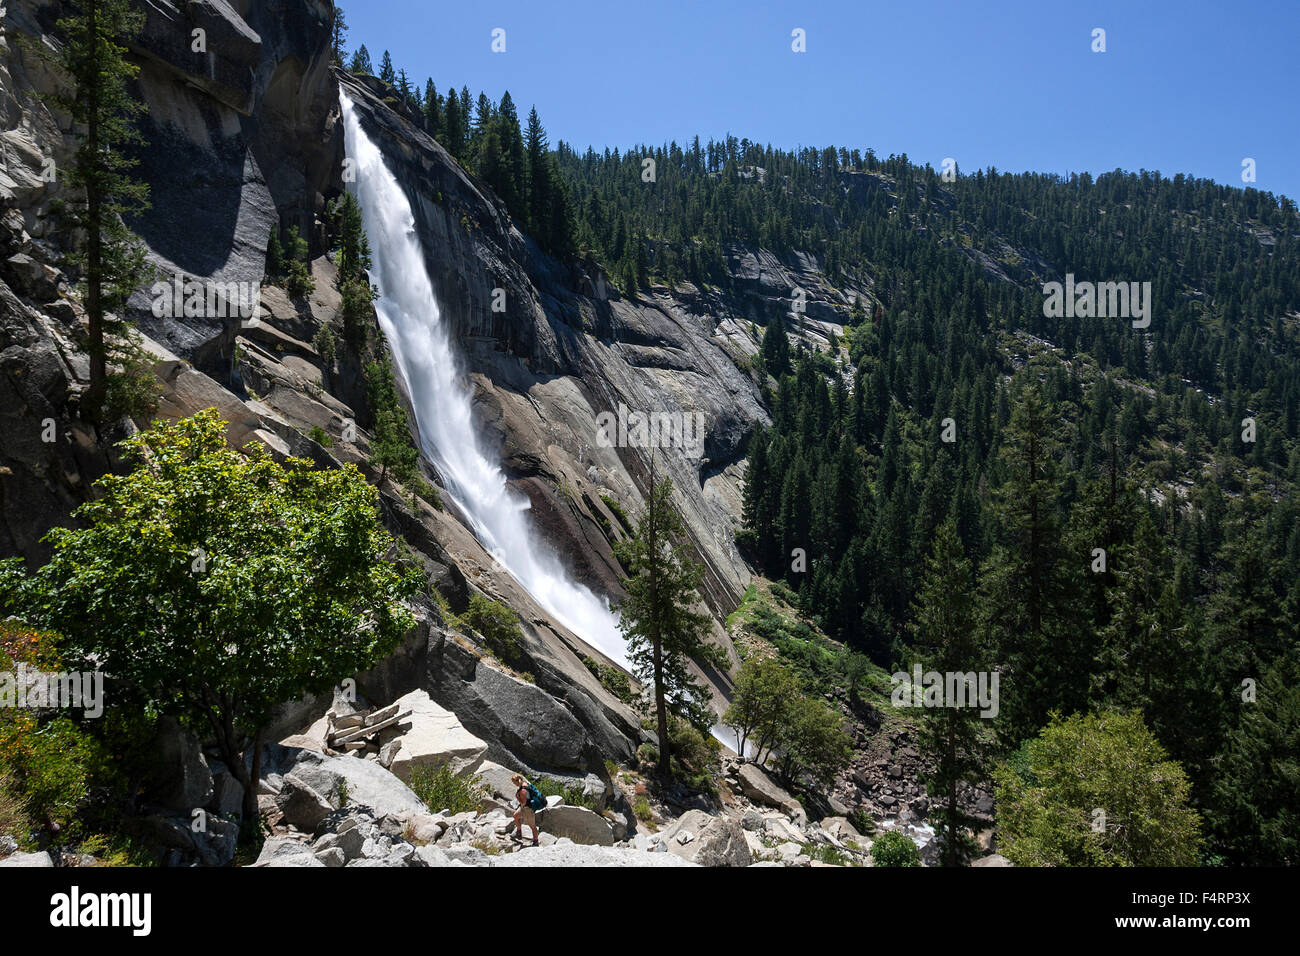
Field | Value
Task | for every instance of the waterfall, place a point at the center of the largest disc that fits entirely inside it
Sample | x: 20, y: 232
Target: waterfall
x: 441, y: 394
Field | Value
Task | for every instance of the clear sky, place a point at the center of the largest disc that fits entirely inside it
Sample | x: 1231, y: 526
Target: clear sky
x: 1190, y: 86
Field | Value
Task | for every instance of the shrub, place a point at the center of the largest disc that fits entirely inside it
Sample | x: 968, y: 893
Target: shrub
x: 497, y: 625
x: 133, y: 389
x: 641, y: 808
x: 695, y: 756
x: 617, y: 510
x: 13, y: 807
x: 571, y: 792
x: 861, y: 821
x: 611, y: 678
x: 440, y: 789
x: 320, y: 436
x: 325, y: 344
x: 1049, y: 792
x: 894, y: 849
x: 298, y: 281
x: 825, y: 853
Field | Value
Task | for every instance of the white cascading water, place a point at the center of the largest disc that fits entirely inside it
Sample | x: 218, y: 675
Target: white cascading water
x: 440, y: 396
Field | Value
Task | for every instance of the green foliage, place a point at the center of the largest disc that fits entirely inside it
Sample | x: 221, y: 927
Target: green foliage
x: 611, y: 678
x: 696, y: 756
x: 325, y: 344
x: 221, y: 584
x: 1258, y: 815
x: 771, y: 714
x: 497, y: 624
x: 571, y: 792
x: 662, y: 631
x: 440, y: 789
x: 764, y: 692
x: 133, y: 389
x: 14, y: 820
x: 813, y: 743
x: 320, y: 436
x: 862, y: 821
x: 617, y: 511
x: 892, y: 848
x: 298, y: 281
x: 951, y: 738
x: 642, y: 810
x: 98, y: 183
x: 391, y: 448
x: 1095, y: 790
x: 825, y: 853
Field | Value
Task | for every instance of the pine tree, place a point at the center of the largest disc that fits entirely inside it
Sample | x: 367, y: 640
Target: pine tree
x: 1028, y: 586
x: 776, y: 348
x: 391, y: 448
x: 361, y: 64
x: 433, y: 110
x: 340, y: 36
x: 386, y: 71
x: 514, y: 163
x: 452, y: 136
x: 662, y: 630
x: 113, y: 258
x: 1258, y: 817
x: 951, y: 737
x: 539, y: 180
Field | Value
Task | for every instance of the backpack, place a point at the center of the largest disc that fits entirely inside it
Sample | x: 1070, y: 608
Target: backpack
x: 535, y: 799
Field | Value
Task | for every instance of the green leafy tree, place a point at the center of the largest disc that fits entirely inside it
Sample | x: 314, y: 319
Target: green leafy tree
x: 813, y: 743
x: 1095, y: 790
x: 760, y: 702
x: 386, y: 71
x: 662, y: 630
x: 894, y: 849
x: 950, y: 737
x: 221, y: 584
x: 94, y: 59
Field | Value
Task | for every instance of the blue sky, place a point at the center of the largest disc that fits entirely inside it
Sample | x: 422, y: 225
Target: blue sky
x: 1193, y: 86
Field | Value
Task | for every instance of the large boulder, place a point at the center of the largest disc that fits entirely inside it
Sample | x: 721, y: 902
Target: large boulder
x: 759, y: 787
x: 578, y: 824
x: 367, y: 783
x: 281, y: 852
x: 707, y: 840
x: 436, y: 737
x: 37, y: 860
x: 526, y: 722
x: 302, y: 804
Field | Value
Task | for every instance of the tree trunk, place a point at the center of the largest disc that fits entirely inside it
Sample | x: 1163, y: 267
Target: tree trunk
x: 250, y: 810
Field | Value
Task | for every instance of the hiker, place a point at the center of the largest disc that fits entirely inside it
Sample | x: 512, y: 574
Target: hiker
x: 530, y: 801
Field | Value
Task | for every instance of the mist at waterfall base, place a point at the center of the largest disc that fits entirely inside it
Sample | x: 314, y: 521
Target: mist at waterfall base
x: 441, y: 395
